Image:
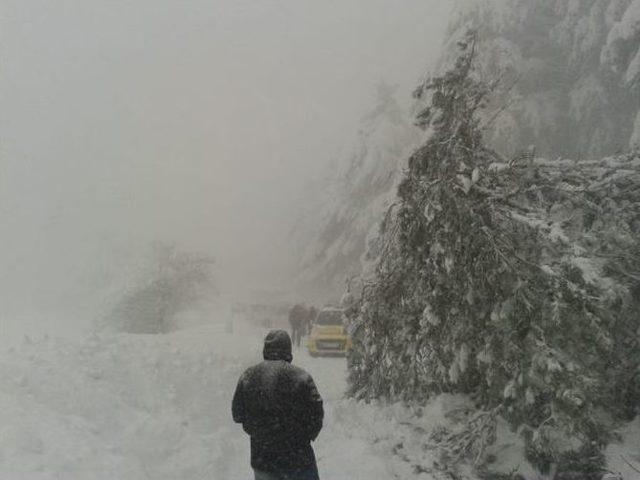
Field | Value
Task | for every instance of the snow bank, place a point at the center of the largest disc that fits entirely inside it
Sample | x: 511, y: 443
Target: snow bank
x: 407, y: 438
x: 623, y: 457
x: 122, y: 406
x: 133, y: 407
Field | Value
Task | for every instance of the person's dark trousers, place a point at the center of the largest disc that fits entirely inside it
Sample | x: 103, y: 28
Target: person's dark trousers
x: 296, y: 333
x: 311, y: 474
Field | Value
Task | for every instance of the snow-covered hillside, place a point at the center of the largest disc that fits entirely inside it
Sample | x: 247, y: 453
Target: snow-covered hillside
x: 334, y: 230
x: 568, y: 72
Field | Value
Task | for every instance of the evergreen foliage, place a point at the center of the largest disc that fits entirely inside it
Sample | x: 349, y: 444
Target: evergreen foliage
x: 569, y: 72
x: 514, y: 282
x: 332, y: 235
x: 175, y: 281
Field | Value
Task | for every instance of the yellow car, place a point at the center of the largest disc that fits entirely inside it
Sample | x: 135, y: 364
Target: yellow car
x: 328, y: 335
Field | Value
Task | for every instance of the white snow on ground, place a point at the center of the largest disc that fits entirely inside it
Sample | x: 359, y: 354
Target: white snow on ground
x: 121, y: 406
x: 137, y: 407
x: 624, y: 456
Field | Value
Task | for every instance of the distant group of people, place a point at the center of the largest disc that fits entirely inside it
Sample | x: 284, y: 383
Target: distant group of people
x: 301, y: 319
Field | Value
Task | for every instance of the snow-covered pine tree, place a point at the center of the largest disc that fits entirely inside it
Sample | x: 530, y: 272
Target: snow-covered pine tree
x: 333, y: 233
x: 172, y: 282
x: 514, y: 282
x: 569, y: 72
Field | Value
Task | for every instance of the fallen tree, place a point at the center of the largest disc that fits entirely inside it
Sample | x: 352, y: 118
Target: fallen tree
x: 516, y: 282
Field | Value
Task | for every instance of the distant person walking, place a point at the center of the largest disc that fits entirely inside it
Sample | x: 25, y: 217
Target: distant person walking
x: 297, y: 317
x: 279, y: 406
x: 312, y: 313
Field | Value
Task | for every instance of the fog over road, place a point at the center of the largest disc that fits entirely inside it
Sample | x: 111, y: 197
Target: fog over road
x: 200, y: 123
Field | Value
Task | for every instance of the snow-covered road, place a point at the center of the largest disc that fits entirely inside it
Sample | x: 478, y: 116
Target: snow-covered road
x: 134, y: 407
x: 157, y: 407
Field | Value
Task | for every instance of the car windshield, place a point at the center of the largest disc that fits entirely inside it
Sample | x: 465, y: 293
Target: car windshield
x: 329, y: 317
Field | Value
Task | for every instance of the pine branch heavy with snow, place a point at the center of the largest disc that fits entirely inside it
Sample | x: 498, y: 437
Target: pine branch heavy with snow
x: 512, y: 281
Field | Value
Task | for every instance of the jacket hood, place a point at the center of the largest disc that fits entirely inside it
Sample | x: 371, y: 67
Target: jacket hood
x: 277, y: 346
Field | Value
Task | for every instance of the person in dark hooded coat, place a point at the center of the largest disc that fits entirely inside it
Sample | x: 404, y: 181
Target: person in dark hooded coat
x: 297, y: 317
x: 280, y: 408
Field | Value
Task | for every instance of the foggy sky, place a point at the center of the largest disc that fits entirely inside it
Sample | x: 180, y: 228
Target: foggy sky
x: 198, y: 122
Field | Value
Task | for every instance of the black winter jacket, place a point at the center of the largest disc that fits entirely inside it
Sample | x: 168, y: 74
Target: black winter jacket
x: 279, y: 406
